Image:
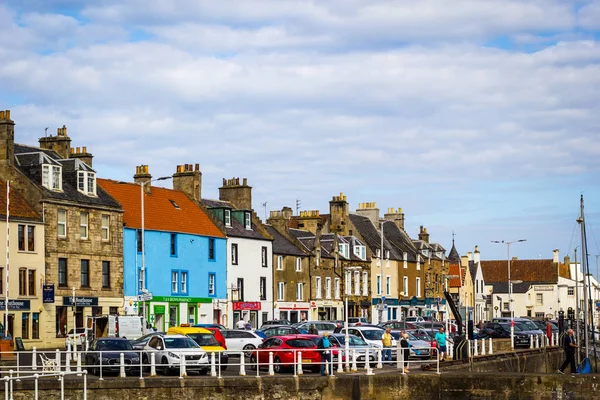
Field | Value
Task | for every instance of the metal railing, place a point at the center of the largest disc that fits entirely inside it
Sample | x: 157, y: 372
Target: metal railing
x: 8, y: 383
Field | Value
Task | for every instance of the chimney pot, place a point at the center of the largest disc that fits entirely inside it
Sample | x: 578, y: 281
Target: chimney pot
x: 1, y: 114
x: 7, y: 114
x: 77, y: 150
x: 197, y: 167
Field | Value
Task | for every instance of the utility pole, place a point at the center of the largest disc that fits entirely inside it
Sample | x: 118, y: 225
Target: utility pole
x: 298, y: 202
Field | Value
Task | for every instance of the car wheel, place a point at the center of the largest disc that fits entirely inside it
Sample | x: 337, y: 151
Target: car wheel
x: 277, y: 367
x: 253, y: 362
x: 248, y: 350
x: 164, y: 368
x: 145, y: 363
x: 203, y: 371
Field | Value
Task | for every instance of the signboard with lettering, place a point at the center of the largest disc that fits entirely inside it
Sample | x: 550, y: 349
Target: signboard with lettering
x: 48, y: 293
x: 543, y: 288
x: 246, y: 305
x: 80, y: 301
x: 181, y: 299
x: 16, y: 304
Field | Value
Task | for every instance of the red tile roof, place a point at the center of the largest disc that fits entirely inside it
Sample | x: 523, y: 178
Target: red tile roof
x: 18, y: 206
x: 454, y: 269
x: 523, y: 270
x: 161, y: 212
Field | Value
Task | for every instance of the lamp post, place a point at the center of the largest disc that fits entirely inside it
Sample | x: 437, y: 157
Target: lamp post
x: 510, y: 307
x: 448, y: 277
x: 380, y: 306
x: 348, y: 289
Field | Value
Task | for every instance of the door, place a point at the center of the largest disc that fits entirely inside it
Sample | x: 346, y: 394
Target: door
x: 235, y: 340
x: 263, y: 354
x: 173, y: 317
x: 191, y: 315
x: 160, y: 322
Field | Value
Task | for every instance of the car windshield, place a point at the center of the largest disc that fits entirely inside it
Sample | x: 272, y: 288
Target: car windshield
x: 421, y: 336
x: 113, y: 345
x: 301, y: 343
x: 204, y: 339
x: 527, y: 325
x: 373, y: 334
x: 352, y: 340
x: 507, y: 327
x: 180, y: 343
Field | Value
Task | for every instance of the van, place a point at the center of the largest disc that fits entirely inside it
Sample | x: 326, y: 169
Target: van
x: 123, y: 326
x: 205, y: 339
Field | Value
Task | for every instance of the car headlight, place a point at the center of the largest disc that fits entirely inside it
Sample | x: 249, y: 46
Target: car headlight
x: 377, y: 346
x: 105, y: 360
x: 135, y: 359
x: 173, y: 355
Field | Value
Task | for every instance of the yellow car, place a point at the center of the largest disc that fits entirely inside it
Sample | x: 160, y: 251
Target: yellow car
x: 205, y: 339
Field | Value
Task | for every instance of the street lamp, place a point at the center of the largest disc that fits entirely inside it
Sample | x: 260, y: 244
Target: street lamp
x: 143, y: 289
x: 380, y: 306
x: 510, y: 307
x: 348, y: 288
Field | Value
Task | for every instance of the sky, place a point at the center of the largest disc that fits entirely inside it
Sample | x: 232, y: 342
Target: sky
x: 480, y: 118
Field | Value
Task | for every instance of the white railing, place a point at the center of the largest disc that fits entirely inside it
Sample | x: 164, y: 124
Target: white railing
x: 8, y: 383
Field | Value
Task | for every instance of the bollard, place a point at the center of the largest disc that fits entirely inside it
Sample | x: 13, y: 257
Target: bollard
x: 36, y: 377
x: 57, y: 359
x: 68, y: 354
x: 152, y: 364
x: 213, y: 370
x: 368, y: 364
x: 490, y: 348
x: 537, y: 341
x: 100, y: 367
x: 354, y: 366
x: 121, y: 365
x: 34, y: 358
x: 300, y: 371
x: 182, y: 370
x: 68, y: 363
x: 531, y: 342
x: 475, y: 352
x: 78, y: 364
x: 340, y: 367
x: 483, y: 347
x: 401, y: 358
x: 469, y: 348
x: 87, y: 346
x: 379, y: 360
x: 242, y: 365
x: 271, y: 372
x: 347, y: 352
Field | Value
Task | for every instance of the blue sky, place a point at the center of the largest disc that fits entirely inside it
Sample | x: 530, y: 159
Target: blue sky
x: 478, y: 117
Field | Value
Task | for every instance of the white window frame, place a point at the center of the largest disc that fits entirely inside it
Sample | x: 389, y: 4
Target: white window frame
x: 388, y: 285
x: 298, y: 264
x: 175, y: 281
x: 570, y: 291
x: 356, y: 283
x: 378, y: 284
x: 84, y: 225
x: 344, y: 249
x: 328, y: 288
x: 299, y: 291
x: 279, y: 263
x: 360, y: 252
x: 247, y: 220
x: 62, y: 223
x: 418, y: 286
x: 539, y: 299
x: 105, y: 227
x: 405, y: 257
x: 52, y: 177
x: 211, y: 284
x: 336, y: 284
x: 348, y: 284
x: 365, y: 284
x: 280, y: 291
x: 317, y: 287
x: 183, y: 282
x: 86, y: 182
x: 227, y: 217
x: 405, y: 286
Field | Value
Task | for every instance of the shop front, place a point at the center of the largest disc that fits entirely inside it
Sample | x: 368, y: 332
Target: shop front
x: 389, y: 309
x: 167, y: 311
x: 293, y: 312
x: 250, y: 312
x: 326, y: 310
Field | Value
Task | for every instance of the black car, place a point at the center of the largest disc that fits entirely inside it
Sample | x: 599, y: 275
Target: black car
x: 502, y: 330
x: 106, y: 352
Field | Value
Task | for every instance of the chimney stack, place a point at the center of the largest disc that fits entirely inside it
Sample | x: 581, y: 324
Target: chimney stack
x: 60, y: 144
x: 395, y: 215
x: 7, y: 138
x: 555, y: 256
x: 82, y: 154
x: 143, y: 177
x: 476, y: 255
x: 338, y: 214
x: 238, y: 195
x: 370, y: 211
x: 188, y: 179
x: 423, y: 235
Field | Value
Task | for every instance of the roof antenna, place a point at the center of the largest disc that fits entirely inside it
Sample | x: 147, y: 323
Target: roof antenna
x: 46, y: 132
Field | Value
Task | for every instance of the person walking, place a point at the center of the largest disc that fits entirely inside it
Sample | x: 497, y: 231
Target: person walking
x: 241, y: 324
x: 386, y: 340
x: 338, y: 328
x: 405, y: 350
x: 324, y: 345
x: 313, y: 330
x: 440, y: 338
x: 569, y: 346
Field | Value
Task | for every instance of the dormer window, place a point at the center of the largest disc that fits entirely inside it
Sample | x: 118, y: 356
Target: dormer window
x: 86, y: 182
x: 227, y: 218
x: 247, y: 220
x: 52, y: 177
x: 360, y: 252
x: 344, y: 249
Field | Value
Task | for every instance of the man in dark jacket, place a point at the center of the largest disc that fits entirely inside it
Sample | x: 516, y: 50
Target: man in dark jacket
x: 569, y: 345
x: 338, y: 328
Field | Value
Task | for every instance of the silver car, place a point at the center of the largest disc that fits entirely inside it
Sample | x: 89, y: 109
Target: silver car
x: 322, y: 326
x: 354, y: 343
x: 418, y: 348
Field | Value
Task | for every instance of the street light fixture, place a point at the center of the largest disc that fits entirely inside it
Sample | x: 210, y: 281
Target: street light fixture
x: 348, y: 287
x: 510, y: 307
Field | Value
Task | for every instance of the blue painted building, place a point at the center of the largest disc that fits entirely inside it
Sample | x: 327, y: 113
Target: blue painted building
x: 185, y: 252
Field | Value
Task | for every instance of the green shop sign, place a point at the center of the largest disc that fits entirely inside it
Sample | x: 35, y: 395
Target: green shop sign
x: 175, y: 299
x: 159, y: 309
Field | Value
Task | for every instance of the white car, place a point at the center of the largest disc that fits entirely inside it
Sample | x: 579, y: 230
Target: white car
x: 370, y: 334
x: 169, y: 348
x: 241, y: 340
x: 76, y: 339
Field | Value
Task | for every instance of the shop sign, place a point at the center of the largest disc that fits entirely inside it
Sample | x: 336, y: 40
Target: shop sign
x: 246, y: 306
x: 159, y: 309
x: 543, y: 288
x: 16, y: 304
x: 181, y: 299
x: 48, y: 293
x: 80, y: 301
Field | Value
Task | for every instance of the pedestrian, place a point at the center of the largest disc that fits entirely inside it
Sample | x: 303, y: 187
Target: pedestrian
x: 569, y: 346
x: 338, y: 328
x: 405, y: 350
x: 324, y: 345
x: 480, y: 325
x: 440, y: 338
x: 386, y: 340
x: 241, y: 324
x: 313, y: 330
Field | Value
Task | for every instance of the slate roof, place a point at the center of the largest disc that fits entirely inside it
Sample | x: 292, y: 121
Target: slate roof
x: 236, y: 229
x: 281, y: 245
x: 454, y: 257
x: 165, y: 209
x: 19, y: 209
x: 400, y: 240
x: 454, y: 269
x: 28, y: 161
x: 502, y: 287
x: 541, y: 271
x: 210, y: 203
x: 372, y: 237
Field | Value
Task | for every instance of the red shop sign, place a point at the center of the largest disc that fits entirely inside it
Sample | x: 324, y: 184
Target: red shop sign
x: 246, y: 305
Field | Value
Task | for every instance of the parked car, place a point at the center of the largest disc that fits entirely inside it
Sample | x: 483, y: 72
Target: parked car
x: 418, y: 348
x: 398, y: 325
x: 169, y: 348
x: 370, y: 334
x: 542, y: 325
x: 284, y: 350
x: 78, y: 338
x: 275, y: 322
x: 425, y: 336
x: 217, y: 333
x: 140, y: 343
x: 414, y: 318
x: 204, y: 338
x: 321, y: 326
x: 242, y: 340
x: 502, y: 330
x: 217, y: 326
x: 357, y: 320
x: 277, y: 330
x: 107, y: 353
x: 354, y: 343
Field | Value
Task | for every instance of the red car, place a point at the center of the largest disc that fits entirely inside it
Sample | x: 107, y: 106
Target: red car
x: 284, y: 350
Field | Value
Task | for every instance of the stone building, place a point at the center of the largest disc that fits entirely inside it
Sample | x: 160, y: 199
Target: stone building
x: 83, y: 227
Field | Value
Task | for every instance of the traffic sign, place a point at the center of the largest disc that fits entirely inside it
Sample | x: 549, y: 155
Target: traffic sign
x: 145, y: 297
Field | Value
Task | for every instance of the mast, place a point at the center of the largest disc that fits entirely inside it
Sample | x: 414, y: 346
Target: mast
x: 581, y: 222
x: 577, y: 303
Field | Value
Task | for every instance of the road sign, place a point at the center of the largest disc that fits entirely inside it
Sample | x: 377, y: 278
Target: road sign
x: 145, y: 297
